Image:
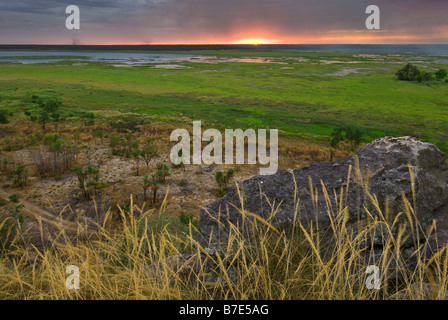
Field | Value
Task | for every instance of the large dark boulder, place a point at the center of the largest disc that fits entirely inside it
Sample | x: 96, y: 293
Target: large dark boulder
x: 382, y: 169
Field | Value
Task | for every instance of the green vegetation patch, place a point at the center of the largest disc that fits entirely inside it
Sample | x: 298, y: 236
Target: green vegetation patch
x: 307, y: 97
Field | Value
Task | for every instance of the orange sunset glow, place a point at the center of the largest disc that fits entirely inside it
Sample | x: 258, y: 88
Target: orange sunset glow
x: 252, y: 22
x: 257, y: 41
x: 332, y: 38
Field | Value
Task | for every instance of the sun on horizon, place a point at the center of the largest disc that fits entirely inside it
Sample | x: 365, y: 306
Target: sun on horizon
x: 256, y: 41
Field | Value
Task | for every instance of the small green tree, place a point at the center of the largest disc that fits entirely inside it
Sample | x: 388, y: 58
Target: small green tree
x: 87, y: 180
x: 11, y: 230
x: 43, y: 118
x: 149, y: 151
x: 187, y: 218
x: 47, y: 111
x: 354, y: 135
x: 116, y: 144
x: 223, y: 178
x: 351, y: 133
x: 131, y: 145
x: 155, y: 185
x: 162, y: 172
x: 136, y: 155
x: 19, y: 178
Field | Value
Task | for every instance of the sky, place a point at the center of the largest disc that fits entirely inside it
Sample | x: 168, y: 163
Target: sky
x: 223, y: 22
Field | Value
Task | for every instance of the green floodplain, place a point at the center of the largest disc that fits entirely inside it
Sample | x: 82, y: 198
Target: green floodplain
x: 303, y: 94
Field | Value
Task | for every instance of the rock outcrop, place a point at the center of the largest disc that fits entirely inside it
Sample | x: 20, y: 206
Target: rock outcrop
x: 386, y: 169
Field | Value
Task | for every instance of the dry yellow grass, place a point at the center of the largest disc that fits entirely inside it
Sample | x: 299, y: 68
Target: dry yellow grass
x: 265, y: 264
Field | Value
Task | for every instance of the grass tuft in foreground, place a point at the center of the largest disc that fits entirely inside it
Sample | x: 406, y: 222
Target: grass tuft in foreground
x: 266, y: 263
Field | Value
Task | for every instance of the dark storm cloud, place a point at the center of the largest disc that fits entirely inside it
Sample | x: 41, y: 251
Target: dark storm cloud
x: 43, y: 21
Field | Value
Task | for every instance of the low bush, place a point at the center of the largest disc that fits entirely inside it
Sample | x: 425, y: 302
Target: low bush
x: 222, y: 179
x: 56, y: 157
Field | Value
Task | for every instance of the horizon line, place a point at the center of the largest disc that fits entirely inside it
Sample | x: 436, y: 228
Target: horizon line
x: 217, y: 44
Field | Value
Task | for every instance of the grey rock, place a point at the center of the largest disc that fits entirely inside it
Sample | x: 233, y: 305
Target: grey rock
x: 434, y: 243
x: 384, y: 171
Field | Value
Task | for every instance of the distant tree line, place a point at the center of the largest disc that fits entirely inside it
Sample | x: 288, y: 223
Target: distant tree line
x: 411, y: 73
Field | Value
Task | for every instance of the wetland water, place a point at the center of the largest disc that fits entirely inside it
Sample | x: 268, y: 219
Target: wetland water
x: 115, y: 57
x: 118, y: 59
x: 127, y: 59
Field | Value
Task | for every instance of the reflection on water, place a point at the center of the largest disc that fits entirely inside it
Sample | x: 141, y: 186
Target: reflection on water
x: 344, y: 72
x: 170, y: 66
x: 113, y: 57
x: 170, y: 60
x: 121, y: 59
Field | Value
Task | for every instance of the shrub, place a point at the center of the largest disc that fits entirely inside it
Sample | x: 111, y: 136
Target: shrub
x: 19, y: 177
x: 116, y: 144
x: 87, y: 180
x: 14, y: 198
x: 155, y: 185
x: 152, y: 183
x: 441, y: 74
x: 56, y: 157
x: 12, y: 143
x: 32, y: 140
x: 223, y: 178
x: 136, y: 155
x: 148, y: 153
x: 5, y: 166
x: 425, y: 76
x: 131, y: 143
x: 11, y: 230
x: 47, y: 111
x: 351, y: 133
x: 412, y: 73
x: 354, y: 135
x: 162, y: 172
x: 408, y: 73
x: 187, y: 218
x: 3, y: 116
